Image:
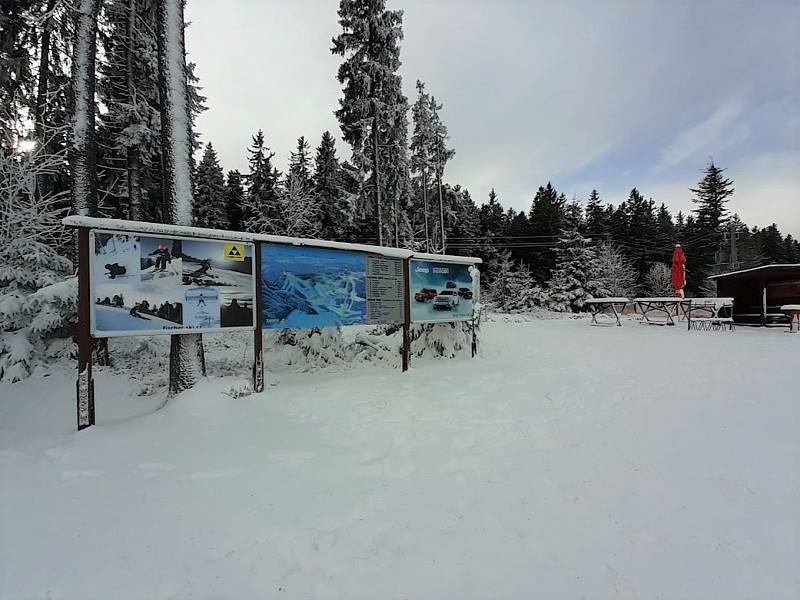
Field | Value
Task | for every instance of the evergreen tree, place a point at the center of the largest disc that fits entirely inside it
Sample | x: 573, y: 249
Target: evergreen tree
x: 573, y: 279
x: 464, y: 226
x: 440, y: 154
x: 373, y: 109
x: 300, y: 163
x: 641, y: 241
x: 129, y: 159
x: 292, y: 211
x: 614, y: 271
x: 772, y: 244
x: 262, y: 187
x: 210, y: 201
x: 422, y: 163
x: 546, y: 223
x: 596, y: 221
x: 658, y: 280
x: 513, y: 288
x: 711, y: 196
x: 335, y: 208
x: 234, y: 200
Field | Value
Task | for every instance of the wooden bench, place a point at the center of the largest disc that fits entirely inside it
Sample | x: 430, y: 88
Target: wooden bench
x: 709, y: 314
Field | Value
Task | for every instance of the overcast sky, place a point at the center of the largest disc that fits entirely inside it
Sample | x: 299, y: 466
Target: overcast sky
x: 586, y: 94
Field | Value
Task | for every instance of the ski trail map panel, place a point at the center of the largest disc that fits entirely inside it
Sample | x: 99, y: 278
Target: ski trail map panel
x: 145, y: 285
x: 440, y: 292
x: 307, y: 286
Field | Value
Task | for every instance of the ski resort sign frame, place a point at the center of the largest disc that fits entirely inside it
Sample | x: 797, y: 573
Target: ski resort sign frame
x: 145, y: 284
x: 137, y: 278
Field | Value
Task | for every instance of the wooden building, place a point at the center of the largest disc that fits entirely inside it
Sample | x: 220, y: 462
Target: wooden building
x: 758, y: 293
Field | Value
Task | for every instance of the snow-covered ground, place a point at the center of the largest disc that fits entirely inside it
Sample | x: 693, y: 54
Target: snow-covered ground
x: 567, y: 461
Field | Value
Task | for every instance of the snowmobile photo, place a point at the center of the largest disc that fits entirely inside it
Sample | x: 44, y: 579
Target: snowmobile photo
x: 115, y: 270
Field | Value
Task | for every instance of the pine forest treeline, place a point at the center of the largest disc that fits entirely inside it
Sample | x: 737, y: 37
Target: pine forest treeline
x: 97, y: 114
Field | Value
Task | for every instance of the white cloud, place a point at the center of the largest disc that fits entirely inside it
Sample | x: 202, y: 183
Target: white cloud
x: 713, y: 133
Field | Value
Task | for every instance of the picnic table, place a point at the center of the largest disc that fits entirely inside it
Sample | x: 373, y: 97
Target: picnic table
x: 793, y: 311
x: 709, y: 314
x: 666, y: 306
x: 600, y: 306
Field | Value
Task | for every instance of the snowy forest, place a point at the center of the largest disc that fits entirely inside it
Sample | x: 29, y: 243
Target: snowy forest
x: 97, y: 109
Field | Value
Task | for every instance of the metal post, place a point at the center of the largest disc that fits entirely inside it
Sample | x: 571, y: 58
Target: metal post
x: 258, y: 342
x: 85, y: 383
x: 764, y: 305
x: 406, y: 314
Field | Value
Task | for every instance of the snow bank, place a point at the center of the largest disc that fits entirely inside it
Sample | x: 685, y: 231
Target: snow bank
x: 541, y: 469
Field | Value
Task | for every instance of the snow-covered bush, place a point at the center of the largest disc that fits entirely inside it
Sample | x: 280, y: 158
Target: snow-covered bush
x: 312, y: 348
x: 658, y: 280
x: 38, y: 295
x: 440, y: 339
x: 37, y: 300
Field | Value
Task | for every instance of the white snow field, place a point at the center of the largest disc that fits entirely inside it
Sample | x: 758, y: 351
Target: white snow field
x: 567, y: 461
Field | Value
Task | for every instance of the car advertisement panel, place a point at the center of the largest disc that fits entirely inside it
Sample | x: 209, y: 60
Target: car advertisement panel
x: 145, y: 285
x: 440, y: 291
x: 305, y: 286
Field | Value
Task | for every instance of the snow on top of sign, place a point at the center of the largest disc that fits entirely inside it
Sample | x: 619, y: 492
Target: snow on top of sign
x: 201, y: 232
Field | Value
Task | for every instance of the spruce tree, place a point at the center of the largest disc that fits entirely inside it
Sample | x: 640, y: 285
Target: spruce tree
x: 710, y: 197
x: 546, y: 223
x: 596, y: 218
x: 234, y: 200
x: 210, y: 202
x: 574, y: 277
x: 300, y: 163
x: 262, y: 187
x: 335, y: 208
x: 440, y: 155
x: 373, y: 109
x: 422, y: 164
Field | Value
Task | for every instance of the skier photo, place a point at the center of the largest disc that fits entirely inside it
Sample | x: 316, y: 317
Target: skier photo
x: 163, y: 257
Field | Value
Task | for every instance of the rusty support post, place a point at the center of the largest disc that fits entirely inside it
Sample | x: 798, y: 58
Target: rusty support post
x: 85, y: 383
x: 258, y: 340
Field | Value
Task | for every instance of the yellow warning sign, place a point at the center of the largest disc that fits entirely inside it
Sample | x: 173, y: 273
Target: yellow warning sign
x: 234, y: 252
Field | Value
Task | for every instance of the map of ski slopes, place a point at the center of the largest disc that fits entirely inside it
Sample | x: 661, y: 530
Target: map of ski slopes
x: 312, y: 287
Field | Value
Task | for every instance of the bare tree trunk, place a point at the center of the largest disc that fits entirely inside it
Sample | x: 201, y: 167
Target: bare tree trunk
x: 83, y: 149
x: 377, y: 174
x: 44, y: 73
x: 186, y: 359
x: 425, y: 208
x: 133, y: 162
x: 439, y: 187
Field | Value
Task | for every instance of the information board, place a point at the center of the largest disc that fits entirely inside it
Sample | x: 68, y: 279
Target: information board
x: 145, y: 285
x: 305, y: 286
x: 440, y: 291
